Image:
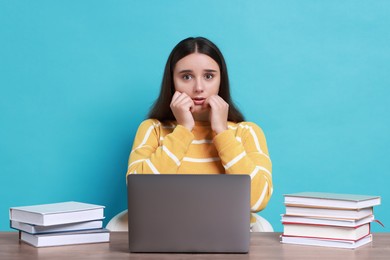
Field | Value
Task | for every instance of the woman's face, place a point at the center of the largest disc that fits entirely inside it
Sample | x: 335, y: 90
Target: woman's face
x: 199, y: 76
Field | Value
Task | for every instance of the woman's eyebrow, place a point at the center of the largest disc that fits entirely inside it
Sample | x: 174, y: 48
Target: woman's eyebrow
x: 185, y: 71
x: 190, y: 71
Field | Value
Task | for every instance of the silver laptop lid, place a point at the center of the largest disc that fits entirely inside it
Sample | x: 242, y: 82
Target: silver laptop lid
x: 189, y: 213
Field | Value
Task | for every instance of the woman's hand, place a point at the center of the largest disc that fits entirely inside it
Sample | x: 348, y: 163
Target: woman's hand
x: 181, y: 106
x: 219, y: 111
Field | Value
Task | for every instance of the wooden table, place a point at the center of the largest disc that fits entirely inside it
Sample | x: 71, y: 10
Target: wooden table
x: 263, y: 246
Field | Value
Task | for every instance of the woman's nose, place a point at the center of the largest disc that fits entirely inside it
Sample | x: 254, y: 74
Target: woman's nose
x: 199, y: 87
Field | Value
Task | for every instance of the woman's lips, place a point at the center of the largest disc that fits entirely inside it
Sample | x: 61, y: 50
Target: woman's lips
x: 198, y: 101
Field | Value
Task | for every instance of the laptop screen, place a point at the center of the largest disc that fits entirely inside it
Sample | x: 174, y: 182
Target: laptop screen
x: 189, y: 213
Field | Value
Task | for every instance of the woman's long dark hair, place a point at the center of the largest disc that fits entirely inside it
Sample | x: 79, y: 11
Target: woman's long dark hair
x: 161, y: 108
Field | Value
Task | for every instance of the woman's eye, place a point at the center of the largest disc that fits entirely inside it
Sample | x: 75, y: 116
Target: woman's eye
x: 187, y: 77
x: 209, y: 76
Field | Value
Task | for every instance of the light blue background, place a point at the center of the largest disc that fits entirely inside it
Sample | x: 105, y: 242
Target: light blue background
x: 77, y: 78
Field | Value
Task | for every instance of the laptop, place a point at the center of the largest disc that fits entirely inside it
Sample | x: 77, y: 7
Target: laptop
x: 182, y: 213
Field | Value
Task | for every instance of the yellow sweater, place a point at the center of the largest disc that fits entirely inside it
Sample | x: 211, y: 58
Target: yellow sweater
x: 169, y: 148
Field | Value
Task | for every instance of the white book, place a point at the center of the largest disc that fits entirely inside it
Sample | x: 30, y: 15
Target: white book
x: 329, y: 212
x: 34, y: 229
x: 329, y: 232
x: 332, y: 200
x: 327, y: 221
x: 326, y: 242
x: 66, y: 238
x: 57, y: 213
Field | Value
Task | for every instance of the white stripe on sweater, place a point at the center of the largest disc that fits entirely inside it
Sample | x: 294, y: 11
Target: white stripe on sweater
x: 235, y: 160
x: 255, y: 171
x: 146, y: 137
x: 171, y: 155
x: 151, y: 166
x: 259, y: 168
x: 202, y: 141
x: 137, y: 161
x: 253, y: 134
x: 201, y: 160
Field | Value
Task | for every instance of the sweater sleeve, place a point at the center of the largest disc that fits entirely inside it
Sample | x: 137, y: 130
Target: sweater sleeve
x: 150, y: 155
x: 247, y: 153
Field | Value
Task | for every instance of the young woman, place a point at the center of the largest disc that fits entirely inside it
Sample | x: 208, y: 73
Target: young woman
x: 194, y: 127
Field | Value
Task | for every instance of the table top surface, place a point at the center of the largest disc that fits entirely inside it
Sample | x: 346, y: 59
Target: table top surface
x: 262, y: 246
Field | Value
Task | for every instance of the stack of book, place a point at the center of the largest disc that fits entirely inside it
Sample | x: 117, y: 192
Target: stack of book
x: 328, y: 219
x: 65, y: 223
